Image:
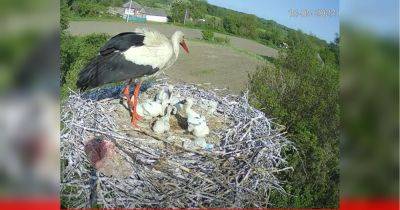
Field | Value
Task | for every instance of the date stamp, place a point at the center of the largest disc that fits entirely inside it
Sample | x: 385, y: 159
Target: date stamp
x: 313, y: 12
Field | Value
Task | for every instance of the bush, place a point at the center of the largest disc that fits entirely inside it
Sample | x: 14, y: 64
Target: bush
x: 75, y: 53
x: 64, y: 17
x: 88, y: 9
x: 241, y: 24
x: 214, y: 23
x: 222, y: 40
x: 303, y: 95
x: 208, y: 35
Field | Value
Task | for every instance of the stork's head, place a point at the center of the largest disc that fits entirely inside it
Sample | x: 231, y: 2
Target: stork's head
x: 179, y: 37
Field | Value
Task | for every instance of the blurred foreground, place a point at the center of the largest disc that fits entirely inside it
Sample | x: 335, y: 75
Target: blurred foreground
x: 370, y: 99
x: 29, y: 107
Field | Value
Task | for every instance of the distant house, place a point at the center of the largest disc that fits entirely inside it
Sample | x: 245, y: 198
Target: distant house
x: 156, y: 15
x: 135, y: 12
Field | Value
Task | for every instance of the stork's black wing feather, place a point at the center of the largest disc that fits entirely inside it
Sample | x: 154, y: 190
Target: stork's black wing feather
x: 122, y: 42
x: 113, y: 67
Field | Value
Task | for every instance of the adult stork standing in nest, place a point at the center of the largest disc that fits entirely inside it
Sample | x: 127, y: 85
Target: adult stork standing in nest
x: 128, y: 56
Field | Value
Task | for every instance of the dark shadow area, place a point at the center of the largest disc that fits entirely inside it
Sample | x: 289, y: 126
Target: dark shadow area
x: 113, y: 92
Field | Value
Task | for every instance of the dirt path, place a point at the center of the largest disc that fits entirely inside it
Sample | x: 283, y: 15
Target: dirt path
x: 220, y: 66
x: 113, y: 27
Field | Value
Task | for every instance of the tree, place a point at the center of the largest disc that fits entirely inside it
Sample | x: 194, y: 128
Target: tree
x: 214, y: 23
x: 196, y: 9
x: 273, y: 34
x: 243, y: 25
x: 178, y: 9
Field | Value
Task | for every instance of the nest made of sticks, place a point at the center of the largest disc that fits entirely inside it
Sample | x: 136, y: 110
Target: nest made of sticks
x: 240, y: 171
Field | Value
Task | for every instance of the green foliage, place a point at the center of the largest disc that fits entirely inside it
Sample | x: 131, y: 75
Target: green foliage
x: 222, y: 40
x: 303, y: 94
x: 208, y: 35
x: 216, y: 18
x: 196, y: 9
x: 242, y: 25
x: 155, y: 3
x: 13, y: 52
x: 105, y: 3
x: 224, y: 20
x: 213, y: 23
x: 90, y: 8
x: 64, y: 16
x: 272, y: 35
x: 177, y: 13
x: 75, y: 54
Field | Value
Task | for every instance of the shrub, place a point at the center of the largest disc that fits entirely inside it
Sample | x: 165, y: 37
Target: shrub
x: 222, y: 40
x: 75, y: 54
x: 303, y: 95
x: 88, y: 9
x: 64, y: 16
x: 208, y: 35
x: 214, y: 23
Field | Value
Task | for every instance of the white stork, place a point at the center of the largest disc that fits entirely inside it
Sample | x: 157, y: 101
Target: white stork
x: 131, y: 55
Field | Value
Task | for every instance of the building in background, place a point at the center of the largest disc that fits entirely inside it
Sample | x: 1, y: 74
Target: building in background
x: 156, y: 15
x: 134, y: 12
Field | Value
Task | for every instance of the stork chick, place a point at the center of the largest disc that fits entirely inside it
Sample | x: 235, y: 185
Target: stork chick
x: 197, y: 123
x: 162, y: 124
x: 150, y: 109
x: 165, y: 93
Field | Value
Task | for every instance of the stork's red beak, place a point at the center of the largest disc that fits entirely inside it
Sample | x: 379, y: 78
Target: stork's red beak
x: 184, y: 46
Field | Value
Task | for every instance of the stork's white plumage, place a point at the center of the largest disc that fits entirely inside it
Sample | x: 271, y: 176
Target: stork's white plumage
x: 157, y: 51
x: 131, y: 55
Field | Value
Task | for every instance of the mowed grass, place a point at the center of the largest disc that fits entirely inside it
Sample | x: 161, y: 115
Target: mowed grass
x: 220, y: 65
x: 203, y: 72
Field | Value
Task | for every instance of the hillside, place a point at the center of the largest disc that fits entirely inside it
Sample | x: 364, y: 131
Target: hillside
x: 221, y: 19
x: 204, y: 16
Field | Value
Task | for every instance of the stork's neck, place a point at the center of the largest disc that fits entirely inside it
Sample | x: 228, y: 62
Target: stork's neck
x: 175, y: 46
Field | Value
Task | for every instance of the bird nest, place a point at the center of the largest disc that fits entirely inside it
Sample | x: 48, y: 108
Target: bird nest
x: 106, y: 162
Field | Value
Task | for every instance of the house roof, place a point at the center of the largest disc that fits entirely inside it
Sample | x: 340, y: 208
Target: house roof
x: 147, y: 10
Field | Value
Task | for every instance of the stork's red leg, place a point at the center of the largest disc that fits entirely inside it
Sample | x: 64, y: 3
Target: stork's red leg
x: 126, y: 93
x: 135, y: 115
